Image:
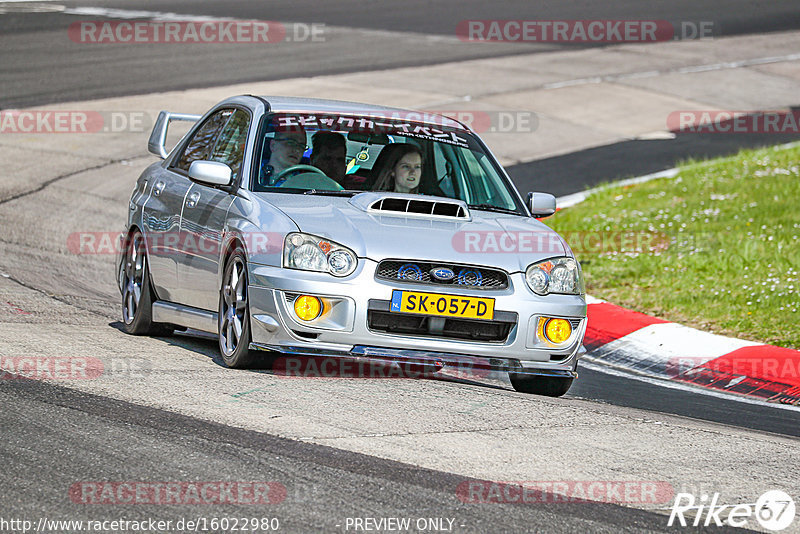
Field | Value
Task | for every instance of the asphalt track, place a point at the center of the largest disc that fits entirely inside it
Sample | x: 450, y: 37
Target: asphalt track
x: 39, y: 64
x: 101, y: 439
x: 584, y: 169
x: 115, y: 440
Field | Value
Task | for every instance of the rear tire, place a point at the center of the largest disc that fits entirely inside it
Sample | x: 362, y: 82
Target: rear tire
x: 234, y: 313
x: 540, y: 385
x: 137, y: 294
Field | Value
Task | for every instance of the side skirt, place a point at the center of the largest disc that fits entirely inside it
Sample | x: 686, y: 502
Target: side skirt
x: 178, y: 314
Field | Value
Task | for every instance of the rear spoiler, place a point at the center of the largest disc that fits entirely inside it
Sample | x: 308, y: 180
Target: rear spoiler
x: 158, y: 137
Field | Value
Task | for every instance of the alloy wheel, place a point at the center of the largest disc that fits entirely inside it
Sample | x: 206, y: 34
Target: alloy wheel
x: 133, y: 278
x: 234, y: 307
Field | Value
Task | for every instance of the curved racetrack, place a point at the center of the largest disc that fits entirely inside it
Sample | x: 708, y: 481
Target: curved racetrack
x: 165, y: 409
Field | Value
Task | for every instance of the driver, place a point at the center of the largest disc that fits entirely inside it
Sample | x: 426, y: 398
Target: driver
x: 286, y: 150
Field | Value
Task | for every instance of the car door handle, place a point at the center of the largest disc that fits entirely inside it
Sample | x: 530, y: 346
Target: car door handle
x: 159, y: 188
x: 191, y: 201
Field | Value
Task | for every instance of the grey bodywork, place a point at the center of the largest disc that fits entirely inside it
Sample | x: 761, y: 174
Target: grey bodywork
x: 187, y: 284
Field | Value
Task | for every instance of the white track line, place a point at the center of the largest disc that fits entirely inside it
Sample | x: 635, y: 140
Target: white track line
x: 678, y: 70
x: 127, y: 14
x: 576, y: 198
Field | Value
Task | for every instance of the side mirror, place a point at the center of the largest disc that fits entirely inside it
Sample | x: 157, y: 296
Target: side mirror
x: 541, y: 204
x: 210, y: 172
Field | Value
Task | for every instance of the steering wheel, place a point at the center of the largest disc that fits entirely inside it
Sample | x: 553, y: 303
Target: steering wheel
x: 296, y: 168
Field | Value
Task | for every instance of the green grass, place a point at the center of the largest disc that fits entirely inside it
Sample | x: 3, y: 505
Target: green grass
x: 727, y: 245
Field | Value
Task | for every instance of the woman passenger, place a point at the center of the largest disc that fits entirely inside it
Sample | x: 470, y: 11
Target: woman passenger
x: 399, y: 168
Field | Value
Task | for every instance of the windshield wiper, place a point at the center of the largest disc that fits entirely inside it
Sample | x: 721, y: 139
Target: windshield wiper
x: 328, y: 192
x: 490, y: 207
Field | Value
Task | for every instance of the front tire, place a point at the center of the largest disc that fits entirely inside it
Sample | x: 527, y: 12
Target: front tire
x: 137, y: 294
x: 540, y: 385
x: 234, y: 313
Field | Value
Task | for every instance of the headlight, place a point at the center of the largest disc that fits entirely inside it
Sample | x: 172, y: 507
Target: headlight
x: 557, y: 275
x: 312, y: 253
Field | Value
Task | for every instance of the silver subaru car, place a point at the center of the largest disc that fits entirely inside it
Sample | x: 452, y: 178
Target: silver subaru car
x: 305, y: 228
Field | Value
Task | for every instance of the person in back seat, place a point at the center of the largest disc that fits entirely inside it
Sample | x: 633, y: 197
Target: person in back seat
x: 329, y: 154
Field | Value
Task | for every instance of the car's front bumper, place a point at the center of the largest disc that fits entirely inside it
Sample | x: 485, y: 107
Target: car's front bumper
x: 346, y: 333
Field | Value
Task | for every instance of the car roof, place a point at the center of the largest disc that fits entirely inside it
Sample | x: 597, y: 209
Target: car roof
x: 288, y: 104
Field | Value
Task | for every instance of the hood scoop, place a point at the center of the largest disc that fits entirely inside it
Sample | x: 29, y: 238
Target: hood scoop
x: 411, y: 205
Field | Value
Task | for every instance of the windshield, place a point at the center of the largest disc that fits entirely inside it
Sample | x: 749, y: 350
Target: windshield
x: 316, y: 153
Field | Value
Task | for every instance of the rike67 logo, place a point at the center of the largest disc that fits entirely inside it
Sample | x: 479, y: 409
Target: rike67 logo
x: 774, y: 510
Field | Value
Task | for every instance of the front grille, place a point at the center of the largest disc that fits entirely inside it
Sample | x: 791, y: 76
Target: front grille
x: 380, y: 319
x: 421, y: 272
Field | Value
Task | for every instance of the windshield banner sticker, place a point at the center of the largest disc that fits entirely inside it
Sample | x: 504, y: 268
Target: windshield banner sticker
x: 375, y: 125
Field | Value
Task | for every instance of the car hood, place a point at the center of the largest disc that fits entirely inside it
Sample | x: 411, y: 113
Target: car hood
x: 484, y: 238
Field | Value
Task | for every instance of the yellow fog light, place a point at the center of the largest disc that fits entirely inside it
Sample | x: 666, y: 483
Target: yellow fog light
x: 307, y: 307
x: 557, y: 330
